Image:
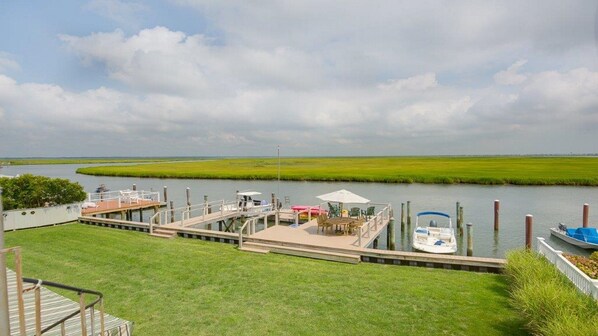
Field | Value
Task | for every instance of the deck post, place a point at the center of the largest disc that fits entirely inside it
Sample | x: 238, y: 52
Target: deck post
x: 586, y: 212
x: 408, y: 213
x: 206, y: 209
x: 496, y: 214
x: 528, y: 231
x: 4, y: 318
x: 172, y: 211
x: 165, y: 194
x: 469, y: 239
x: 391, y: 235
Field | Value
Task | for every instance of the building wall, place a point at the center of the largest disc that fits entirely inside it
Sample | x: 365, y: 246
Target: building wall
x: 29, y: 218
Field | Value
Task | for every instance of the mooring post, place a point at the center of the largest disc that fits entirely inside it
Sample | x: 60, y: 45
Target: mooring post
x: 375, y: 244
x: 165, y: 194
x: 4, y: 317
x: 496, y: 214
x: 141, y: 215
x: 586, y: 213
x: 390, y: 241
x: 188, y: 193
x: 402, y: 217
x: 460, y: 221
x: 457, y: 214
x: 408, y: 213
x: 207, y: 209
x: 469, y: 239
x: 172, y: 211
x: 134, y: 187
x: 528, y: 231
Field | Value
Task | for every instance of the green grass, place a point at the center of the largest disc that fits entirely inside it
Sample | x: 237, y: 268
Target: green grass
x: 445, y: 170
x: 193, y: 287
x: 550, y: 303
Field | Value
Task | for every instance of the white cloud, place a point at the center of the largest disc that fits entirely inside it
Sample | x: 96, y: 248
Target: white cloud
x: 7, y: 63
x: 511, y: 75
x: 123, y: 12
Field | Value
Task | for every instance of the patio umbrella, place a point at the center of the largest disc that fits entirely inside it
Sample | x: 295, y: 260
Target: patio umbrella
x: 343, y: 196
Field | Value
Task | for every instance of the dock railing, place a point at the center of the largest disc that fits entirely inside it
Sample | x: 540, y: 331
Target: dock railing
x: 58, y: 321
x: 124, y: 196
x: 250, y: 225
x: 372, y: 223
x: 583, y: 282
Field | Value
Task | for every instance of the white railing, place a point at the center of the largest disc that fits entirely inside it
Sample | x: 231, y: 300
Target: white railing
x: 124, y: 196
x: 250, y: 225
x: 318, y: 208
x: 372, y: 224
x: 583, y: 282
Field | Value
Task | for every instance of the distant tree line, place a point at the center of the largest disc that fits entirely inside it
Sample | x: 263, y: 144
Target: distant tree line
x: 32, y: 191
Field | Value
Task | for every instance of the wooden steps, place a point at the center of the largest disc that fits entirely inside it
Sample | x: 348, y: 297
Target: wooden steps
x: 161, y: 233
x: 301, y: 252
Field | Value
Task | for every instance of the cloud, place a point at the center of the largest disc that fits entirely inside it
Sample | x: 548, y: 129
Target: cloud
x: 7, y: 63
x: 510, y: 76
x: 124, y: 13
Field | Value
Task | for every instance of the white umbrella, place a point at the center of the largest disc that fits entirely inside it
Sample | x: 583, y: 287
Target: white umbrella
x: 343, y: 196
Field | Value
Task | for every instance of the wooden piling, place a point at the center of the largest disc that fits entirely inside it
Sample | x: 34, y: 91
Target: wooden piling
x: 390, y: 239
x: 188, y: 193
x: 469, y: 240
x: 274, y: 205
x: 402, y: 217
x: 496, y: 214
x: 134, y: 187
x: 528, y: 231
x: 165, y: 194
x: 457, y: 206
x: 141, y: 215
x: 460, y: 220
x: 586, y: 213
x: 408, y: 213
x: 375, y: 244
x: 172, y: 211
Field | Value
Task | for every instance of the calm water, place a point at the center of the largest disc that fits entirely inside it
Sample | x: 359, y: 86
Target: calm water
x: 548, y: 205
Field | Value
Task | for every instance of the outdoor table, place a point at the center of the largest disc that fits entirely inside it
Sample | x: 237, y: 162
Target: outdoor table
x: 341, y: 222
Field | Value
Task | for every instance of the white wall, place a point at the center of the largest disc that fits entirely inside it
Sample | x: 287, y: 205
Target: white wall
x: 28, y: 218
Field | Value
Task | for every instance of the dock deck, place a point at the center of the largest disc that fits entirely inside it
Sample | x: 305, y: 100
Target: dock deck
x: 112, y: 206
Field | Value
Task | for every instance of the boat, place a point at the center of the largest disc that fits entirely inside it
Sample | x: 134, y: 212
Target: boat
x: 246, y: 203
x: 434, y: 238
x: 586, y: 238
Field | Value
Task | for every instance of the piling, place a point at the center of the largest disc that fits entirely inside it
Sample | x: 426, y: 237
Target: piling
x: 402, y: 217
x: 390, y: 239
x: 586, y: 213
x: 188, y: 193
x: 172, y: 211
x: 141, y: 215
x: 460, y: 220
x: 165, y: 194
x: 134, y: 187
x: 375, y: 244
x: 469, y: 239
x: 496, y: 213
x: 274, y: 205
x: 457, y: 206
x: 408, y: 213
x: 528, y: 231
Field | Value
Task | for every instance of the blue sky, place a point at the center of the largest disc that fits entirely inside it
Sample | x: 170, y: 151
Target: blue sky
x: 191, y: 77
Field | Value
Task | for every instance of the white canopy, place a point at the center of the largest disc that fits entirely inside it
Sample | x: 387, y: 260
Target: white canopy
x: 343, y: 196
x: 249, y: 193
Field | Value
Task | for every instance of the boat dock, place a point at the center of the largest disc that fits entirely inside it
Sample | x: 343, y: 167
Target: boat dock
x: 121, y: 202
x: 264, y: 231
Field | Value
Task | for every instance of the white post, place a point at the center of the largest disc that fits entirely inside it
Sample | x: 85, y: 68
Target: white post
x: 4, y: 318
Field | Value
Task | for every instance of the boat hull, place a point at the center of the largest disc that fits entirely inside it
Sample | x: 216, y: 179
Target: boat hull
x: 562, y: 235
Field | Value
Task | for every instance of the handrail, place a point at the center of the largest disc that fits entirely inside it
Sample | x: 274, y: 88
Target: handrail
x: 378, y: 218
x: 250, y: 224
x: 37, y: 283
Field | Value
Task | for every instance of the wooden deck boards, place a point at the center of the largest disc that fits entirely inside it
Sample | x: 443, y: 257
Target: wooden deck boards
x: 111, y: 206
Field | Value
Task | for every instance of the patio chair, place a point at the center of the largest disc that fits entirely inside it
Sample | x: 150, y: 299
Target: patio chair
x: 370, y: 212
x: 322, y: 223
x: 335, y: 210
x: 355, y: 212
x: 355, y: 225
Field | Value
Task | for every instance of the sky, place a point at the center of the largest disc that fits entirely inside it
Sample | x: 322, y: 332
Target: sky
x: 316, y: 78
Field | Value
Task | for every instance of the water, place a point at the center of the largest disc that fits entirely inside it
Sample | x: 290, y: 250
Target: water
x: 548, y: 205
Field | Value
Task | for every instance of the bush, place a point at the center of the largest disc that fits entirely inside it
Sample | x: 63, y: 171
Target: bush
x: 30, y: 191
x: 587, y: 265
x: 548, y: 300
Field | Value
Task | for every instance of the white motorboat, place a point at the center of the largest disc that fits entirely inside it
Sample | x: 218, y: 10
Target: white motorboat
x: 586, y: 238
x: 246, y: 203
x: 434, y: 238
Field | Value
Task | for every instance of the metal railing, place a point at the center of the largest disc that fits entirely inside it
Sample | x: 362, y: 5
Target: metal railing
x: 583, y: 282
x: 36, y: 288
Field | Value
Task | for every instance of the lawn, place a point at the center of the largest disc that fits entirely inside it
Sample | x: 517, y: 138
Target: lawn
x: 191, y: 287
x: 446, y: 170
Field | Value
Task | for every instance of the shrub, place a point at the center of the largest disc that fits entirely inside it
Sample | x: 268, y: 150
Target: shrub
x: 548, y: 300
x: 30, y: 191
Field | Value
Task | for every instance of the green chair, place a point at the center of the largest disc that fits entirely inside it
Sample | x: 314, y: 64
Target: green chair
x: 334, y: 211
x: 354, y: 212
x: 370, y: 212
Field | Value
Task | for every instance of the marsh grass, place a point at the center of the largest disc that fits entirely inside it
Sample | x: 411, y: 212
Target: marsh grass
x: 437, y: 170
x: 192, y: 287
x: 548, y: 300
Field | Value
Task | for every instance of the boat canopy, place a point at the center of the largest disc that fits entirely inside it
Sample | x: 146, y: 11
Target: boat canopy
x: 248, y: 193
x: 434, y: 213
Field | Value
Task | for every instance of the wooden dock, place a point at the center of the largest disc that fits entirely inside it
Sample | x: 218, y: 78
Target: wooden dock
x: 114, y: 206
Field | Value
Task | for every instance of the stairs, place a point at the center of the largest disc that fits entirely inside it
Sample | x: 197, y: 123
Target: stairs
x: 301, y: 252
x: 162, y: 233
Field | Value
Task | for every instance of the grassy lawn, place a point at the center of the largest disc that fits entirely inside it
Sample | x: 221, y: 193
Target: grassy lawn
x: 191, y: 287
x: 477, y: 170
